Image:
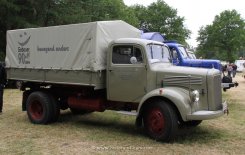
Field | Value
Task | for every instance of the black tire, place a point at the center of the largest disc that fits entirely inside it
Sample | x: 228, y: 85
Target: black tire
x: 40, y: 108
x: 56, y: 109
x: 160, y: 121
x: 79, y: 111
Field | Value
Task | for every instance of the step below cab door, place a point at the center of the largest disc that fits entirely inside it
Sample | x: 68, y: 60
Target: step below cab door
x: 126, y: 73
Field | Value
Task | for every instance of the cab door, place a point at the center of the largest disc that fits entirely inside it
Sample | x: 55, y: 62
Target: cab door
x: 126, y: 74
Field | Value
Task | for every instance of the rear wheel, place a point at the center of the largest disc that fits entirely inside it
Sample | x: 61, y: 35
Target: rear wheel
x: 56, y: 109
x: 41, y: 108
x: 160, y: 121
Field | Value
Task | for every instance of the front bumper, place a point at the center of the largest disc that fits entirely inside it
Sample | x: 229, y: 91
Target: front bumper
x: 226, y: 86
x: 204, y: 114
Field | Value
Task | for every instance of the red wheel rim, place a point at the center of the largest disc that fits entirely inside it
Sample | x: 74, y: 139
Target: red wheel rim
x: 156, y: 121
x: 36, y: 110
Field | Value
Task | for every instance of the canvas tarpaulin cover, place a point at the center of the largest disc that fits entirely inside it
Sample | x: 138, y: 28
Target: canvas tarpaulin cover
x: 67, y: 47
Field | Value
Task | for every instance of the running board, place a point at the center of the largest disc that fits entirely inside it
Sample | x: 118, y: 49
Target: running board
x: 127, y: 113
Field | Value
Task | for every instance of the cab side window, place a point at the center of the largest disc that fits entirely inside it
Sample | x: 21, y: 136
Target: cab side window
x: 126, y: 55
x: 138, y: 55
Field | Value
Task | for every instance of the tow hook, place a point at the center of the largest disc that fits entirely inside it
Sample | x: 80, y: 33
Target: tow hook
x: 236, y: 84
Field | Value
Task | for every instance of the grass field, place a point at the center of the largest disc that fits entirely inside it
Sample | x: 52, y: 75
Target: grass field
x: 112, y: 133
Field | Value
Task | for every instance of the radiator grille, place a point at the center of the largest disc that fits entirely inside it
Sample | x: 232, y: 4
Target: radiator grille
x: 182, y: 80
x: 215, y: 93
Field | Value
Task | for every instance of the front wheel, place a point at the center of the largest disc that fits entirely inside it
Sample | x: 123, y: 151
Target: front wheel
x: 160, y: 121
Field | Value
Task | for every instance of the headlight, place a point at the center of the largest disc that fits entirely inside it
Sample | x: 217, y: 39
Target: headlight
x: 195, y: 96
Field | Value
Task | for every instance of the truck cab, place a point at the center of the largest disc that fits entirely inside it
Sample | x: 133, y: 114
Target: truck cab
x: 181, y: 57
x: 140, y: 72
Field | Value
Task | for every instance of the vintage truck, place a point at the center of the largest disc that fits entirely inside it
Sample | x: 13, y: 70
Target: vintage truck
x: 181, y: 57
x: 105, y: 65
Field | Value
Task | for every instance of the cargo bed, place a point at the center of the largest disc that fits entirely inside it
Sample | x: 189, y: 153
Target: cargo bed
x: 79, y: 77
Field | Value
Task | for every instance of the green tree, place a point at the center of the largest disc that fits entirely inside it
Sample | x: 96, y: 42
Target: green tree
x: 160, y: 17
x: 140, y: 12
x: 17, y: 14
x: 226, y: 36
x: 129, y: 16
x: 7, y: 20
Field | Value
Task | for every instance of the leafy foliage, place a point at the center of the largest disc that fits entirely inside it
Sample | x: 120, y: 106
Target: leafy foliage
x: 158, y: 16
x: 224, y: 38
x: 7, y: 20
x: 162, y: 18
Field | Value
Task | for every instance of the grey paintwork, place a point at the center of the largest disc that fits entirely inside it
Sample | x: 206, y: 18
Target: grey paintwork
x: 137, y: 83
x: 164, y: 80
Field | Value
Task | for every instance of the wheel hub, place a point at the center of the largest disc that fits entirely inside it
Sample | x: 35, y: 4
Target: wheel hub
x: 36, y: 110
x: 156, y: 121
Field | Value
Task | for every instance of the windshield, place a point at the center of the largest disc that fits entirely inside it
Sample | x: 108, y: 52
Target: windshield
x: 182, y: 51
x: 157, y: 53
x: 191, y: 55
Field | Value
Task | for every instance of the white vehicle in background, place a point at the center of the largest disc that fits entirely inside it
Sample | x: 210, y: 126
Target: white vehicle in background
x: 240, y: 65
x: 243, y: 71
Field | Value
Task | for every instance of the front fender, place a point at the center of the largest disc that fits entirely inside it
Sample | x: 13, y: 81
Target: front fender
x: 178, y: 96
